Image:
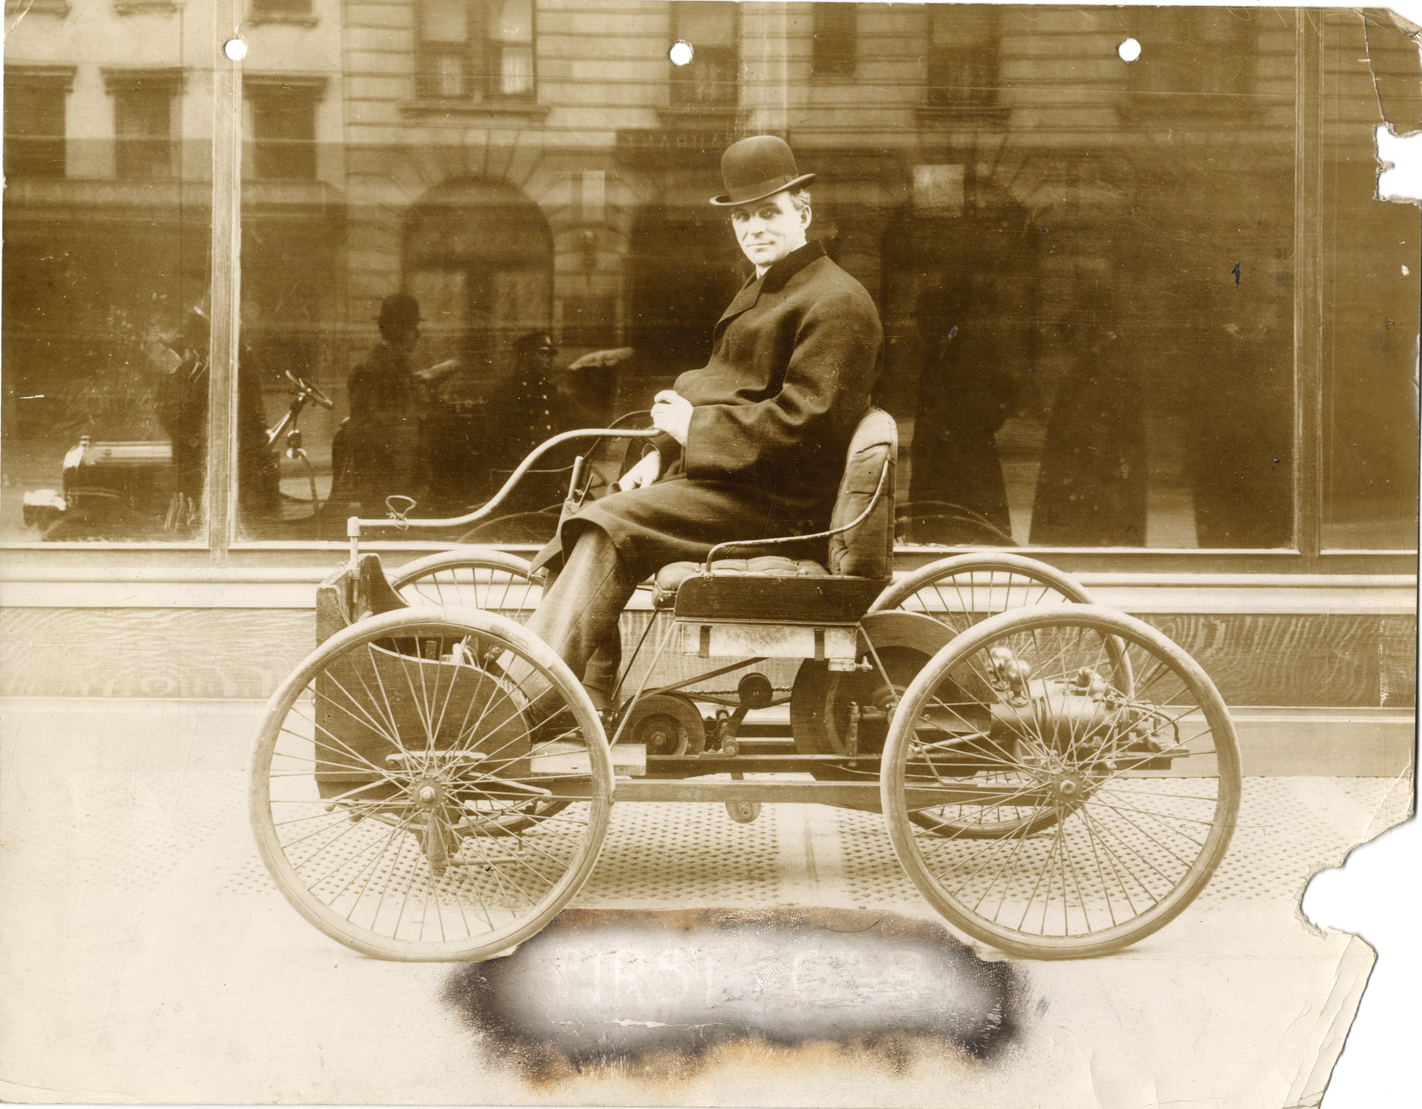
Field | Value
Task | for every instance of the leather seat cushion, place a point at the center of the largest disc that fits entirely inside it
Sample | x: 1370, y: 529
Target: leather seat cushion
x: 669, y: 578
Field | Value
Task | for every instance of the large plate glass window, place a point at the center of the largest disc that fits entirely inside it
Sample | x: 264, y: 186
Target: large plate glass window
x: 108, y: 184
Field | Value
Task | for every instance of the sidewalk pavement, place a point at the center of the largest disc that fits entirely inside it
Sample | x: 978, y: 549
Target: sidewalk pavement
x: 148, y: 958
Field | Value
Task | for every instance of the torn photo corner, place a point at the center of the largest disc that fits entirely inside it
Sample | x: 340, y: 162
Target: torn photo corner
x: 369, y: 736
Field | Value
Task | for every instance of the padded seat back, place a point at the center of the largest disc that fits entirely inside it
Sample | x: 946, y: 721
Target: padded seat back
x: 866, y: 551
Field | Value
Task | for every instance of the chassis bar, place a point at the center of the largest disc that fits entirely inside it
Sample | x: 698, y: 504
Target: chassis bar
x: 859, y: 794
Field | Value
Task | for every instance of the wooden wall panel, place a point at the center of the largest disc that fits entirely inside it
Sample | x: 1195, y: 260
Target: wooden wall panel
x: 149, y: 652
x: 1284, y: 659
x: 1397, y: 662
x: 1291, y: 660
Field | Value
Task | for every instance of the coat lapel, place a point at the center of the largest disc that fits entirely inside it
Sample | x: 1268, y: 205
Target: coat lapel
x: 773, y: 281
x: 746, y: 298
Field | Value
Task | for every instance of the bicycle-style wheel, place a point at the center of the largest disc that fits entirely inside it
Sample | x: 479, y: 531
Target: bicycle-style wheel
x: 963, y: 591
x: 472, y: 578
x: 966, y: 589
x: 430, y: 784
x: 1121, y: 800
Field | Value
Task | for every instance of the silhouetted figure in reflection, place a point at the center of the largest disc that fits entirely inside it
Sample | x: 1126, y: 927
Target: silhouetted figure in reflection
x: 1239, y: 413
x: 1091, y: 486
x: 965, y: 392
x: 183, y: 415
x: 380, y: 452
x: 532, y: 405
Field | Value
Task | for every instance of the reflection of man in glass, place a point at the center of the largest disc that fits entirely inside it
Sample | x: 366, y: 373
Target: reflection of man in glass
x: 183, y: 414
x: 1091, y: 486
x: 385, y: 452
x: 531, y: 406
x: 965, y: 390
x: 753, y: 444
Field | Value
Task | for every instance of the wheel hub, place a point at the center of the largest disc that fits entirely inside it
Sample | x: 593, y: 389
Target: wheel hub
x: 427, y: 793
x: 1069, y: 787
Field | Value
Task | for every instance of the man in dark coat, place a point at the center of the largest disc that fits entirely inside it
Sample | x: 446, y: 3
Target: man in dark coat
x: 183, y: 414
x: 753, y: 444
x: 533, y: 405
x: 384, y: 447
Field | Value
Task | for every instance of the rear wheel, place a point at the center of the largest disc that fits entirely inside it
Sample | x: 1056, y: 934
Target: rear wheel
x: 472, y: 578
x: 966, y: 589
x: 961, y: 592
x: 409, y: 803
x: 1112, y: 807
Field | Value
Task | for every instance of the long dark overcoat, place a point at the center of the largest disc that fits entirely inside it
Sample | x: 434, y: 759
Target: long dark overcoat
x: 793, y: 364
x: 384, y: 431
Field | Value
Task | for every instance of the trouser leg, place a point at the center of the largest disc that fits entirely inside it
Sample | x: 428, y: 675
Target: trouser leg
x: 579, y: 613
x: 600, y: 677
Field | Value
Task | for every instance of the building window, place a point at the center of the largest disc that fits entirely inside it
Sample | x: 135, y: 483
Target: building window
x: 281, y: 9
x: 472, y: 49
x: 143, y: 121
x: 284, y: 125
x: 835, y: 39
x: 34, y: 120
x: 1201, y: 59
x: 709, y: 80
x: 962, y: 56
x: 145, y: 7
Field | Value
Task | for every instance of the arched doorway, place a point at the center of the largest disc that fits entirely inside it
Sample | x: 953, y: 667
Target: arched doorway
x: 478, y: 255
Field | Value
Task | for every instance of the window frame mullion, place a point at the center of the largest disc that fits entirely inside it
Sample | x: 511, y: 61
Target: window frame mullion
x: 220, y: 485
x: 1308, y: 286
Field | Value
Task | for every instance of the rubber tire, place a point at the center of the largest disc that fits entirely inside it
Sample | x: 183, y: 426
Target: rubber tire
x: 446, y: 624
x: 1132, y: 633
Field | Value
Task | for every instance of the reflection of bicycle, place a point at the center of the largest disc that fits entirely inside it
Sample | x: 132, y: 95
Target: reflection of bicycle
x: 126, y: 489
x: 433, y: 782
x: 302, y: 391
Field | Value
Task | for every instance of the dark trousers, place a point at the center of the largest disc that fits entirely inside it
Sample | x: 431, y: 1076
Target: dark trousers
x: 580, y: 609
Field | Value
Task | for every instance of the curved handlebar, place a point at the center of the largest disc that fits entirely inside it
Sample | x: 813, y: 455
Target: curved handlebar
x: 308, y: 391
x: 355, y: 523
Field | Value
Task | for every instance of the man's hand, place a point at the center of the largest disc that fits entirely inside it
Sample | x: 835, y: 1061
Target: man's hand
x: 644, y: 473
x: 671, y: 412
x: 434, y: 373
x: 601, y: 359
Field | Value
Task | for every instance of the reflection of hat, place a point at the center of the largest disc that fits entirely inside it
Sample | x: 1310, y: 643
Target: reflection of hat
x: 399, y: 310
x: 534, y: 341
x: 195, y: 325
x: 758, y: 167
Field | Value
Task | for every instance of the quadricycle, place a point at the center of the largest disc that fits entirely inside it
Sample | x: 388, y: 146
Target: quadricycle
x: 1057, y: 779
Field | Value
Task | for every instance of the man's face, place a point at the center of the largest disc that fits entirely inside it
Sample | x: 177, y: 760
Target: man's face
x: 539, y: 359
x: 769, y: 229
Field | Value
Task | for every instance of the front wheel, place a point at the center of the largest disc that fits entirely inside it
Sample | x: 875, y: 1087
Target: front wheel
x: 1110, y: 804
x: 430, y: 784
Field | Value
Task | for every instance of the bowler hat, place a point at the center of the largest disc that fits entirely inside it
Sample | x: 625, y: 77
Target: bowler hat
x: 535, y: 341
x: 757, y: 167
x: 399, y: 310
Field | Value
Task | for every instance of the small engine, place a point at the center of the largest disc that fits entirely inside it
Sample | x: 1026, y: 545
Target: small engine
x: 1084, y: 717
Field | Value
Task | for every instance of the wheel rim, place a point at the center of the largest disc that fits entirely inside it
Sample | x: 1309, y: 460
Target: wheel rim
x: 965, y: 590
x: 961, y: 592
x: 405, y: 805
x: 488, y: 580
x: 1110, y: 809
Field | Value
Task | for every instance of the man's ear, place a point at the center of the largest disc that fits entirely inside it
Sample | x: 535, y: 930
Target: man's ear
x: 805, y: 215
